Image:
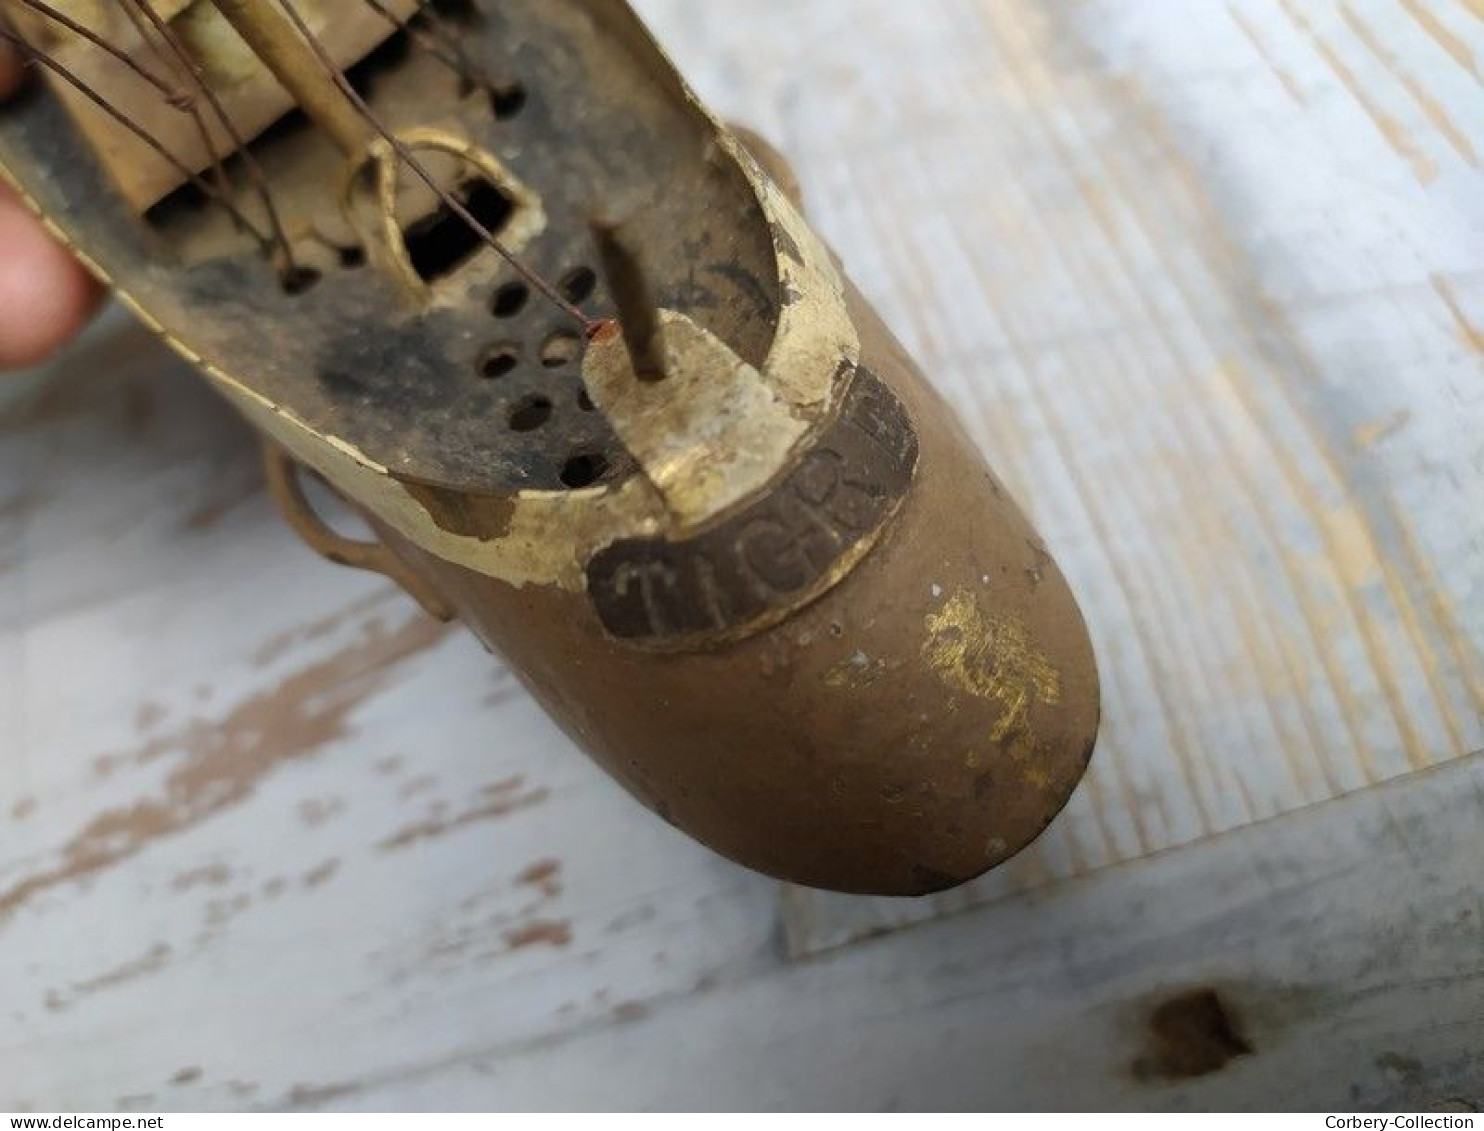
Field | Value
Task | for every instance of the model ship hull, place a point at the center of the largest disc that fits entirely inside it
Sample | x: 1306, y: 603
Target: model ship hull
x: 770, y: 586
x: 920, y: 722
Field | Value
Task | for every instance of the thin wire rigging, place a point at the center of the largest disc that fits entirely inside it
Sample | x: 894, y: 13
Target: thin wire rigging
x: 451, y: 202
x: 249, y: 162
x: 32, y: 53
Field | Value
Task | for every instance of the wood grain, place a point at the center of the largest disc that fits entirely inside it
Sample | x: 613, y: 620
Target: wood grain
x: 1209, y: 293
x: 1344, y: 950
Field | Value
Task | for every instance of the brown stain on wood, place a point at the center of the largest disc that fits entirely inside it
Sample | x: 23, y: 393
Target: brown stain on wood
x: 321, y: 873
x: 148, y: 963
x: 312, y: 1095
x: 220, y: 912
x: 1400, y: 1067
x: 315, y: 811
x: 539, y: 932
x: 1190, y: 1035
x: 498, y: 800
x: 278, y: 645
x: 1369, y: 435
x: 627, y: 1012
x: 148, y: 715
x: 417, y: 785
x: 222, y: 761
x: 152, y: 961
x: 544, y: 875
x: 208, y: 875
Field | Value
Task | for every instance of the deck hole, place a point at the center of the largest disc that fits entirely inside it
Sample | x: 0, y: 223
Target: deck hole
x: 299, y: 281
x: 530, y: 414
x: 499, y: 360
x: 584, y: 469
x: 508, y: 101
x: 578, y: 285
x: 510, y: 300
x: 559, y: 349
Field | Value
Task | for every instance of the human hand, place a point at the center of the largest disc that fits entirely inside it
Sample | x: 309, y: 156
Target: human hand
x: 45, y: 295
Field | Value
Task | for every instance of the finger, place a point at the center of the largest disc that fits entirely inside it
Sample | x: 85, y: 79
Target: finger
x: 45, y: 296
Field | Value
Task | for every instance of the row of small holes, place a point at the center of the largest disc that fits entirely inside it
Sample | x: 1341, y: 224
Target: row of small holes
x: 302, y: 279
x: 532, y: 412
x: 559, y: 349
x: 577, y: 286
x: 581, y: 470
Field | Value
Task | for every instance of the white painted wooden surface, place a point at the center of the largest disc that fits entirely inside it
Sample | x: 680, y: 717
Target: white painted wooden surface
x: 1208, y: 283
x: 1207, y: 280
x: 1348, y: 947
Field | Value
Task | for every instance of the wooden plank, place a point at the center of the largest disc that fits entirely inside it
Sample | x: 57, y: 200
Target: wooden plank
x: 1344, y: 947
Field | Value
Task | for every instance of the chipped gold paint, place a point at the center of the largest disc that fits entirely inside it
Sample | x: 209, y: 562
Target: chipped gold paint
x: 992, y: 658
x: 815, y: 332
x: 856, y: 673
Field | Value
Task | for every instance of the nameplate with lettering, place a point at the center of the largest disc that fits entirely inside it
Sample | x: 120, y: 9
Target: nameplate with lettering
x: 778, y: 552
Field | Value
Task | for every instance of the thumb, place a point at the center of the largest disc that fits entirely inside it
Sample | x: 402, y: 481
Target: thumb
x: 45, y: 296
